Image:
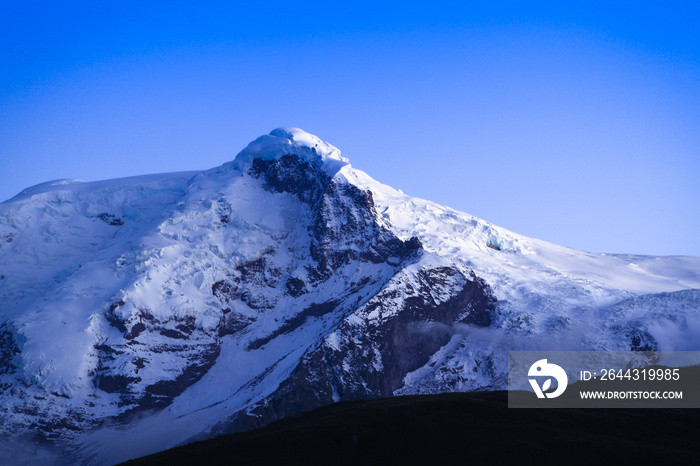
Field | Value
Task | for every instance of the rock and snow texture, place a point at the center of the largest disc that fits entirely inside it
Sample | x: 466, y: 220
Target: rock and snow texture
x: 281, y: 281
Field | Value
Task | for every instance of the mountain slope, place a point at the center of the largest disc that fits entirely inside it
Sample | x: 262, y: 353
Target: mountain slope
x: 285, y: 280
x: 450, y: 429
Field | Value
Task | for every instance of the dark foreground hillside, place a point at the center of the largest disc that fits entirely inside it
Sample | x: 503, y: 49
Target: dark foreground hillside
x: 457, y: 428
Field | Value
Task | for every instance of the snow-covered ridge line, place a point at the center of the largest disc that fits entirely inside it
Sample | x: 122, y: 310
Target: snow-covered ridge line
x: 82, y: 186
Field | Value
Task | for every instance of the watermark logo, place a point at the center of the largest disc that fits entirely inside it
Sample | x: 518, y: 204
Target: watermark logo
x: 604, y: 379
x: 541, y: 369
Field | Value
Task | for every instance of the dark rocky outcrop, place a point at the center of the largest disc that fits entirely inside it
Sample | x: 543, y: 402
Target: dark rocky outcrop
x: 344, y: 225
x: 9, y: 349
x: 111, y: 219
x: 373, y: 359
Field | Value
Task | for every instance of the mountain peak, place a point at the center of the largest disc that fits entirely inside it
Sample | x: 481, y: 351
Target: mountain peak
x: 285, y: 141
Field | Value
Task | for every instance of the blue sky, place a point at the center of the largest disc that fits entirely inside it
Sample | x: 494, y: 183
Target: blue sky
x: 576, y: 124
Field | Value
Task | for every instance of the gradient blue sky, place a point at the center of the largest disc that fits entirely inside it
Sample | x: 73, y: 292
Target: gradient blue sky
x: 577, y: 124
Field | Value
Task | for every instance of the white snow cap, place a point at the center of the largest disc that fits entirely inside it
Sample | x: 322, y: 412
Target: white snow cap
x: 284, y: 141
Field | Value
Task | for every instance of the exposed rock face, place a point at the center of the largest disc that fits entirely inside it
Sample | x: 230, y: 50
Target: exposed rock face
x: 373, y: 349
x: 8, y: 350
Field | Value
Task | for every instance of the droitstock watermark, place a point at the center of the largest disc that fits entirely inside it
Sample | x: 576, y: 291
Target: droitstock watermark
x: 604, y: 379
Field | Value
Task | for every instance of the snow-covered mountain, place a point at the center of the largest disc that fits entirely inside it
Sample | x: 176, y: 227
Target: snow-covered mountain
x: 140, y: 313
